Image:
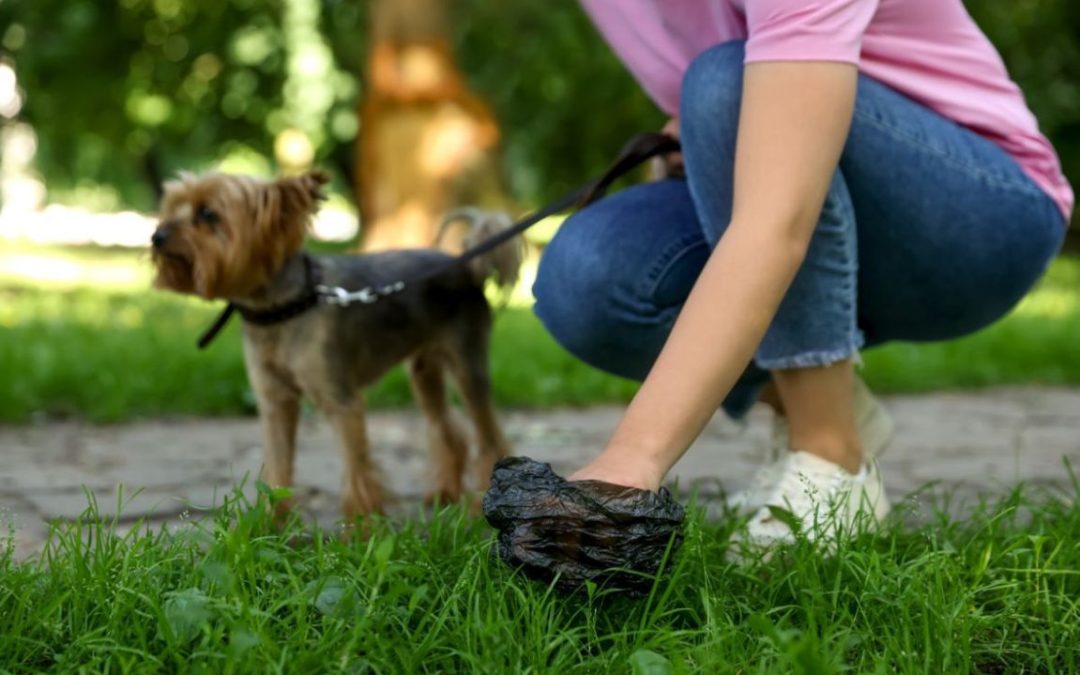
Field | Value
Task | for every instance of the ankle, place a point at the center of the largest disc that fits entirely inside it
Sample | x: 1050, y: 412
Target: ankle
x: 845, y: 454
x: 771, y: 397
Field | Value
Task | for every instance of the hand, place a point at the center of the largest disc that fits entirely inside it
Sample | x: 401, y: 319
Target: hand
x: 668, y: 166
x: 619, y: 472
x: 572, y: 533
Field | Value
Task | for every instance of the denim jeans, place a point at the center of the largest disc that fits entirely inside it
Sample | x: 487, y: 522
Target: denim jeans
x: 929, y: 232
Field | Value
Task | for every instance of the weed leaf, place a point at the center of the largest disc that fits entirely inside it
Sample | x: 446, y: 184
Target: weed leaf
x: 186, y: 612
x: 648, y: 662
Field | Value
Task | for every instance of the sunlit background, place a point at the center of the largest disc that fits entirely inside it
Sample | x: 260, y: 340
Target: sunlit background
x: 438, y: 103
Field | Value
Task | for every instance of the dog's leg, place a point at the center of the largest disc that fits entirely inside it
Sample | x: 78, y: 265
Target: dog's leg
x: 449, y: 448
x: 362, y: 491
x: 279, y: 413
x: 469, y: 363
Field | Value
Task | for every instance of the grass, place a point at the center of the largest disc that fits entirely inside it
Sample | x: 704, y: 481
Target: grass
x: 997, y: 592
x: 82, y: 335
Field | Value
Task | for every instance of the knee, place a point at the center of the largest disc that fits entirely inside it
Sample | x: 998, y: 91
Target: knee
x: 712, y: 87
x: 612, y: 279
x: 713, y: 68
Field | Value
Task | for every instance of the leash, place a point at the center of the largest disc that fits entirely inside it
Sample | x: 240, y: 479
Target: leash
x: 634, y: 153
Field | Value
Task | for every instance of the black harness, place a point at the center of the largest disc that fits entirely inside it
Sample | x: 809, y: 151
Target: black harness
x: 639, y: 149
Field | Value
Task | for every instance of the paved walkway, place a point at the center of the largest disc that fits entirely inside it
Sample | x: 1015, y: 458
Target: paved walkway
x: 971, y: 443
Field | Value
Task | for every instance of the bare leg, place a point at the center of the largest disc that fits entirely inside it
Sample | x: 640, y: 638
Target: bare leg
x: 362, y: 492
x: 770, y: 396
x: 819, y: 403
x: 449, y: 449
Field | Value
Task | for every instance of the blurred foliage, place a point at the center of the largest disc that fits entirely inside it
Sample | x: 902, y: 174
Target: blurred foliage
x: 565, y: 103
x: 123, y: 92
x: 120, y: 92
x: 1040, y: 42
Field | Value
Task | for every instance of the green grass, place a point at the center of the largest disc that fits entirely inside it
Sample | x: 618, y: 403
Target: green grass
x: 114, y: 355
x: 82, y: 335
x: 996, y: 592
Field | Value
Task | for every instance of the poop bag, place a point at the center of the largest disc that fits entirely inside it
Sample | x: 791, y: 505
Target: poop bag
x: 578, y: 531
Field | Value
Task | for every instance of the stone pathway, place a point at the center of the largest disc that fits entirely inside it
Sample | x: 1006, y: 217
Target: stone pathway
x: 968, y: 443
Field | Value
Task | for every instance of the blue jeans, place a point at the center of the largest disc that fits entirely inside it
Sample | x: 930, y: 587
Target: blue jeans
x: 929, y: 232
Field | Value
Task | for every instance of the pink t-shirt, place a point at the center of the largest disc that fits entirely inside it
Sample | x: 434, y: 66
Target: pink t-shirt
x: 929, y: 50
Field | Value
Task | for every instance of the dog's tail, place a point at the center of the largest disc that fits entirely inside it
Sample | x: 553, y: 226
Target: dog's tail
x: 501, y: 263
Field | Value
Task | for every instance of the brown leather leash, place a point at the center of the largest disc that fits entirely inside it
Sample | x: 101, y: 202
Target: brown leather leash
x: 634, y: 153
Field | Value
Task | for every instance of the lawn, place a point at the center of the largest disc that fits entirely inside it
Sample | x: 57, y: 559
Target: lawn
x: 81, y: 334
x: 997, y: 592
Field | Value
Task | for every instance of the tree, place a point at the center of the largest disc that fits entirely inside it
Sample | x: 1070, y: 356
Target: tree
x: 427, y: 143
x: 126, y: 93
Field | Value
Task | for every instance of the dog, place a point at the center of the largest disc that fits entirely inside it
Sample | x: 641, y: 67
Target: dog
x: 240, y: 239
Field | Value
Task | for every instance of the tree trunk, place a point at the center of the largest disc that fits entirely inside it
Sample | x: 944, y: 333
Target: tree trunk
x: 426, y: 144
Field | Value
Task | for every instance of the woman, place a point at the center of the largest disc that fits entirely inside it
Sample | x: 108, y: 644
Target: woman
x: 857, y: 171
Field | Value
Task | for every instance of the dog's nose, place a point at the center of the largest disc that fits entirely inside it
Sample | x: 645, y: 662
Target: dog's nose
x: 159, y: 237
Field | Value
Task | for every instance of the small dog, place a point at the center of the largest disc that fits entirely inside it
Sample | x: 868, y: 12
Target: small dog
x: 239, y: 238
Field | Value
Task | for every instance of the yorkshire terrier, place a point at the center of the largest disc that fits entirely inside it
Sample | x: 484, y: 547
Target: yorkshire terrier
x: 240, y: 239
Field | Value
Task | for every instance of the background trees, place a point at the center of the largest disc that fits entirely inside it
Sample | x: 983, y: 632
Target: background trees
x: 124, y: 93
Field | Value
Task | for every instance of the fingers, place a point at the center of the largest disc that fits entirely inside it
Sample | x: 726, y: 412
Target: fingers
x: 671, y: 128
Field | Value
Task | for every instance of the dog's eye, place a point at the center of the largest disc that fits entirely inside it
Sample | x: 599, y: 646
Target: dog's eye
x: 207, y: 215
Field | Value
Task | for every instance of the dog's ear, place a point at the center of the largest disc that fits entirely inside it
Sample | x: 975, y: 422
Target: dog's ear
x: 300, y: 195
x: 292, y: 202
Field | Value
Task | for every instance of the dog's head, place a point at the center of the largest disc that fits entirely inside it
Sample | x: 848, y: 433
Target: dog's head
x: 223, y: 236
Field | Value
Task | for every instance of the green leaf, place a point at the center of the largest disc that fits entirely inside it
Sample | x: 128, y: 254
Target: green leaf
x: 242, y: 640
x: 187, y: 612
x: 332, y: 597
x: 786, y: 517
x: 648, y: 662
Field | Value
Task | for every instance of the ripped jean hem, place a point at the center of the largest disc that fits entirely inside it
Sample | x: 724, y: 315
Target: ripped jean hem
x: 814, y: 359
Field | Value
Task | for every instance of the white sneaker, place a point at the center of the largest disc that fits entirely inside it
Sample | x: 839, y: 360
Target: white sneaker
x: 875, y: 428
x: 823, y: 501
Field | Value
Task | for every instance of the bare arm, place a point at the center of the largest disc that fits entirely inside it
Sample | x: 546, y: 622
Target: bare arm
x: 793, y: 123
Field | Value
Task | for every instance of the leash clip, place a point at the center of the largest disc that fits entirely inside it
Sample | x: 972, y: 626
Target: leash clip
x: 336, y: 295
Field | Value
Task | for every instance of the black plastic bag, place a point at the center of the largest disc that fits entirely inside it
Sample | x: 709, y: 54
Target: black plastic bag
x: 579, y: 531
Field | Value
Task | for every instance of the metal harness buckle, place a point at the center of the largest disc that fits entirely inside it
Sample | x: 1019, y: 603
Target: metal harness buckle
x: 336, y: 295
